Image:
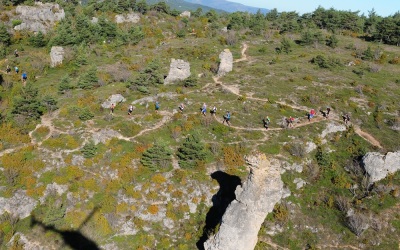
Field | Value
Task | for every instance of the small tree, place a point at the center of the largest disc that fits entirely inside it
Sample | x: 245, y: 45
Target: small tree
x: 28, y: 104
x: 64, y: 85
x: 89, y: 79
x: 38, y: 40
x: 89, y: 150
x: 286, y: 45
x: 332, y: 41
x: 157, y: 157
x: 5, y: 37
x: 150, y: 76
x: 191, y: 151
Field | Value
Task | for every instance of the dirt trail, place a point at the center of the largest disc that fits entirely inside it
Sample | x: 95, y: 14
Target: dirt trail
x: 243, y: 53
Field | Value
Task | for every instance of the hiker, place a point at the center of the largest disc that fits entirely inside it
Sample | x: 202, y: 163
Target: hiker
x: 8, y: 69
x: 227, y: 118
x: 16, y: 69
x: 204, y: 109
x: 112, y: 108
x: 346, y: 118
x: 328, y: 110
x: 24, y: 77
x: 312, y: 113
x: 16, y: 53
x: 266, y: 122
x: 309, y: 117
x: 157, y: 106
x: 291, y: 120
x: 323, y: 113
x: 181, y: 107
x: 130, y: 110
x: 213, y: 111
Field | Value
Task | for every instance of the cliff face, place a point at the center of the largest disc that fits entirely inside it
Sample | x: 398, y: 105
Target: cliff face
x: 254, y: 200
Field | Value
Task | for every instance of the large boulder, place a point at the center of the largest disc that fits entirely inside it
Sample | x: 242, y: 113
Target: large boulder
x: 127, y: 18
x: 226, y: 62
x: 56, y: 56
x: 114, y: 99
x: 378, y: 166
x: 254, y: 200
x: 40, y: 17
x: 185, y: 14
x: 178, y: 70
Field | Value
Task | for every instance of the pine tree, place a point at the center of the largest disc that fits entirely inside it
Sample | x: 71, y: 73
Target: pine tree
x: 158, y: 157
x: 191, y: 151
x: 5, y: 37
x: 65, y: 84
x: 27, y: 104
x: 89, y: 79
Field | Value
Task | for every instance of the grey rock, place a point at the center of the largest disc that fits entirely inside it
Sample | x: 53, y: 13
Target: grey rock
x: 224, y: 29
x: 332, y: 128
x: 310, y: 146
x: 19, y: 205
x: 185, y: 14
x: 104, y: 135
x: 94, y: 20
x: 114, y: 99
x: 52, y: 189
x: 40, y: 17
x: 77, y: 160
x: 254, y: 200
x: 378, y: 166
x: 226, y: 62
x: 127, y: 18
x: 56, y: 56
x: 178, y: 70
x: 299, y: 183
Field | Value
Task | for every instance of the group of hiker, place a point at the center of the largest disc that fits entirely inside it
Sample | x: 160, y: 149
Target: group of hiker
x: 24, y: 75
x: 227, y: 116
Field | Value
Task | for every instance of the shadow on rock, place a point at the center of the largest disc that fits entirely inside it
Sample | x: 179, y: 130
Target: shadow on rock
x: 72, y: 238
x: 221, y: 200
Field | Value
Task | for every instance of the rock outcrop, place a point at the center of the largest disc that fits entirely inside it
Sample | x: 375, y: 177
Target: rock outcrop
x: 254, y: 200
x: 226, y: 62
x: 185, y: 14
x: 40, y: 17
x: 378, y: 166
x: 178, y: 70
x: 114, y: 99
x: 127, y: 18
x: 104, y: 135
x: 19, y: 205
x: 56, y: 56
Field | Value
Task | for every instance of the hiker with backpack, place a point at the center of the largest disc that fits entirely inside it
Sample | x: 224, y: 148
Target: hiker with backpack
x: 8, y: 69
x: 16, y: 54
x: 266, y: 122
x: 227, y: 118
x: 24, y: 77
x: 346, y: 118
x: 16, y: 69
x: 181, y: 107
x: 130, y: 110
x: 213, y: 111
x: 157, y: 106
x: 204, y: 109
x: 112, y: 109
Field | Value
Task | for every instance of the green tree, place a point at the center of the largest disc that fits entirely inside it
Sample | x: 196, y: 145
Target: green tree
x: 50, y: 103
x: 332, y: 41
x: 89, y: 79
x: 89, y: 150
x: 141, y: 7
x: 158, y: 157
x: 286, y: 45
x: 368, y: 54
x: 150, y: 76
x: 27, y: 103
x: 65, y: 84
x: 38, y: 40
x: 191, y: 151
x: 5, y: 37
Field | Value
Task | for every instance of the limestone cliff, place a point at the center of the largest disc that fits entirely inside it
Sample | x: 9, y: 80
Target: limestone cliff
x: 254, y: 200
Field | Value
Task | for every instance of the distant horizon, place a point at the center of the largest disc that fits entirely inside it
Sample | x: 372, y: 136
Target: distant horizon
x: 382, y: 8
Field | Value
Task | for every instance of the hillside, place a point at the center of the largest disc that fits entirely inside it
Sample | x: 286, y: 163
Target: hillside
x: 95, y: 152
x: 228, y: 6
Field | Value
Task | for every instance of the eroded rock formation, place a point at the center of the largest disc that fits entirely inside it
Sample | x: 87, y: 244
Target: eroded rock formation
x: 378, y: 166
x: 39, y: 17
x: 56, y: 56
x: 127, y: 18
x: 226, y: 62
x: 113, y: 99
x: 254, y: 200
x: 179, y: 70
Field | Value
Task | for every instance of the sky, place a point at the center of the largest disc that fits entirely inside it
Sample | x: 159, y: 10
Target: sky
x: 381, y: 7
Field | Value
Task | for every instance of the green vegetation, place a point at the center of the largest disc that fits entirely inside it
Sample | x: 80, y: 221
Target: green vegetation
x: 156, y: 164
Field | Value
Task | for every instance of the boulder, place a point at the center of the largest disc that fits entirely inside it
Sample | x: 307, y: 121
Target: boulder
x: 226, y: 62
x: 114, y: 99
x: 127, y: 18
x: 56, y: 56
x: 185, y: 14
x: 254, y: 200
x: 104, y: 135
x: 40, y: 17
x: 178, y: 70
x: 333, y: 128
x: 378, y: 166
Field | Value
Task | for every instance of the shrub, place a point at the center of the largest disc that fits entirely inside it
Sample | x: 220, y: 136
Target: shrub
x: 232, y: 157
x: 191, y: 81
x: 327, y: 63
x: 65, y: 84
x: 357, y: 223
x: 89, y: 79
x: 85, y: 114
x: 295, y: 149
x: 16, y: 22
x: 89, y: 150
x: 38, y: 40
